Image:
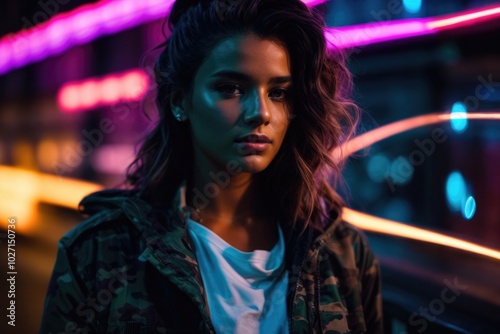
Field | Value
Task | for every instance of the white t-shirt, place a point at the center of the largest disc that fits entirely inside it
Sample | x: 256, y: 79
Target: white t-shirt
x: 246, y: 290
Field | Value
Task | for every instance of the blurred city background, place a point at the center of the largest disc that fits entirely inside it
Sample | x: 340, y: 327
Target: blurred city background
x: 76, y: 92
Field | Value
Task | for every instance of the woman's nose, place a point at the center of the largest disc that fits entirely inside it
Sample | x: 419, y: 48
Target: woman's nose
x: 257, y: 110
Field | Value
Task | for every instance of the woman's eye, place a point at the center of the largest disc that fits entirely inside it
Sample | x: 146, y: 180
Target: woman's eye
x: 229, y: 90
x: 280, y: 93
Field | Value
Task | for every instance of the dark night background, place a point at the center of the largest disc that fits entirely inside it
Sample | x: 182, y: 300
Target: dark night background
x: 455, y: 190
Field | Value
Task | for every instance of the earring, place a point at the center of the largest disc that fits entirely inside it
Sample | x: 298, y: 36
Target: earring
x: 178, y: 117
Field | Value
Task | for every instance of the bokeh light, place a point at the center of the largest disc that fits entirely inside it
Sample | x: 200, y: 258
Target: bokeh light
x: 378, y: 166
x: 455, y: 190
x: 412, y: 6
x: 458, y: 117
x: 469, y: 209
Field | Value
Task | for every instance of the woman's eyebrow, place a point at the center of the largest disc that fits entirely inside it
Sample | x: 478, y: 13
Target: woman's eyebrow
x: 243, y: 77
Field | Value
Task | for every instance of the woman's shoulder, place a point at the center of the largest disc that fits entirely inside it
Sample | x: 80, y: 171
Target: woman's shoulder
x: 106, y: 220
x: 341, y: 230
x: 342, y: 237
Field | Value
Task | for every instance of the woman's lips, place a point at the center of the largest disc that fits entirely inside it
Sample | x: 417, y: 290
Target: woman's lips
x: 253, y: 143
x: 254, y: 138
x: 245, y: 147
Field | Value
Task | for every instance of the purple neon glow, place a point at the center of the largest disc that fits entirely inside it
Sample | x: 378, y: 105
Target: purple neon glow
x: 312, y: 3
x: 110, y: 16
x: 81, y: 26
x: 371, y: 33
x: 77, y: 27
x: 377, y: 32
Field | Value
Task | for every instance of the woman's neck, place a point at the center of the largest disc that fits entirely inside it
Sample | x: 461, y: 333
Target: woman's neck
x: 224, y: 200
x: 236, y: 211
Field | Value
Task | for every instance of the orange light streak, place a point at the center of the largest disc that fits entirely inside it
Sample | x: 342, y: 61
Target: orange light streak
x: 371, y: 137
x: 389, y: 227
x: 21, y: 190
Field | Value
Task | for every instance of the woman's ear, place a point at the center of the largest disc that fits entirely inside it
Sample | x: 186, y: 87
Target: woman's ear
x: 178, y: 106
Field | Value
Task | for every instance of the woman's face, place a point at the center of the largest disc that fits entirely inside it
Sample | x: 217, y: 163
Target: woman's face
x: 241, y: 89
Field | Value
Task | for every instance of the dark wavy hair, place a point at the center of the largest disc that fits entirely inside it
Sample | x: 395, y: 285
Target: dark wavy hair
x: 300, y: 180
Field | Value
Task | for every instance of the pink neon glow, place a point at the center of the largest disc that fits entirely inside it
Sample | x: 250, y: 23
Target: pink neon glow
x: 109, y: 91
x: 106, y: 17
x: 77, y: 27
x: 312, y: 3
x: 81, y: 26
x: 91, y: 93
x: 377, y: 32
x: 472, y: 17
x: 112, y: 159
x: 371, y: 33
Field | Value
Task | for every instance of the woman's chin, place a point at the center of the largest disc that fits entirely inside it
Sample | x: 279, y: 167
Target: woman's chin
x: 253, y: 164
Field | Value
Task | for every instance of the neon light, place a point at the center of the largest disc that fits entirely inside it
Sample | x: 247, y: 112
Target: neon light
x: 21, y: 190
x: 368, y: 138
x: 91, y: 93
x: 389, y: 227
x: 81, y: 26
x: 109, y: 91
x: 377, y: 32
x: 312, y: 3
x: 464, y: 19
x: 372, y: 33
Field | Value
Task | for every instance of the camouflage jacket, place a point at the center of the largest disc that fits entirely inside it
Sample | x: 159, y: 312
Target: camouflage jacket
x: 130, y: 268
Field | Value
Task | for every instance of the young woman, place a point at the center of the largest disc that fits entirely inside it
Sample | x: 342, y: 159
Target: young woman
x: 231, y: 224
